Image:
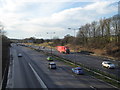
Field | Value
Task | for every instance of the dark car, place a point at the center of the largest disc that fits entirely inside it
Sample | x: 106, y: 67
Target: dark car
x: 52, y: 65
x: 19, y: 55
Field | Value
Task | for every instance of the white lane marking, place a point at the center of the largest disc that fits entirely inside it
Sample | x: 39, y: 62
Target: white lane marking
x: 105, y: 82
x: 93, y: 87
x: 39, y: 79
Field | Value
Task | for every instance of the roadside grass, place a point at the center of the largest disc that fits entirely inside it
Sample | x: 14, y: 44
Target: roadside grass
x: 108, y: 80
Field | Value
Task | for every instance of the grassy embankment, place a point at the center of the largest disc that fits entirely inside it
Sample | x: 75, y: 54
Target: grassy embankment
x: 114, y: 50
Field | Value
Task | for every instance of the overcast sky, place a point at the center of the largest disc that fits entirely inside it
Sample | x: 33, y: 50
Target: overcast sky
x: 34, y: 18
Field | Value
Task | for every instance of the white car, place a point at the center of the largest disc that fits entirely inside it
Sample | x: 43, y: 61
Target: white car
x: 108, y: 64
x: 19, y: 55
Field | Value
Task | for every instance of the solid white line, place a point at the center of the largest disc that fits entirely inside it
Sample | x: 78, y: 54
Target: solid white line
x: 105, y: 82
x: 39, y: 79
x: 93, y: 87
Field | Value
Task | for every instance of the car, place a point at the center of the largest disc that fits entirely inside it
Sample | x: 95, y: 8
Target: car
x: 19, y: 55
x: 108, y: 64
x: 52, y: 65
x: 77, y: 70
x: 50, y: 58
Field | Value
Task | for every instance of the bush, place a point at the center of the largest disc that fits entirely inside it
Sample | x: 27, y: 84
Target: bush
x: 113, y: 50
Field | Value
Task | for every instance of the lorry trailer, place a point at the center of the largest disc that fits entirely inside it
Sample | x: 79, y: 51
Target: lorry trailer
x: 63, y: 49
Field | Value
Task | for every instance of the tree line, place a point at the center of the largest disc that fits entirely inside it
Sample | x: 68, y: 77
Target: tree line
x: 99, y: 33
x: 102, y: 34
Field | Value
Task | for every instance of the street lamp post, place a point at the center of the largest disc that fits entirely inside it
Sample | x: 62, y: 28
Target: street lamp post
x: 75, y: 42
x: 38, y: 35
x: 51, y: 33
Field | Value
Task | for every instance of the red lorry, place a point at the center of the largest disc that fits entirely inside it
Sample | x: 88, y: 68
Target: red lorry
x: 63, y: 49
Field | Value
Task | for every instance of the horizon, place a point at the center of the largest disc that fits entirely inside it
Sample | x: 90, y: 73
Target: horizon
x: 34, y: 18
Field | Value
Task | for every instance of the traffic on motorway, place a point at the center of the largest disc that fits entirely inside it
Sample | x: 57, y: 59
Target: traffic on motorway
x: 113, y: 67
x: 47, y: 72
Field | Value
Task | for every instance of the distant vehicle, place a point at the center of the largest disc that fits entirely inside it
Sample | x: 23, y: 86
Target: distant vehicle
x: 50, y: 58
x: 63, y: 49
x: 108, y: 64
x: 29, y: 45
x: 52, y: 65
x: 19, y: 55
x: 26, y: 45
x: 78, y: 70
x: 43, y: 47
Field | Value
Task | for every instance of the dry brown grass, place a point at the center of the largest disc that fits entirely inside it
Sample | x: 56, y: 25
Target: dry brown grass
x: 97, y: 52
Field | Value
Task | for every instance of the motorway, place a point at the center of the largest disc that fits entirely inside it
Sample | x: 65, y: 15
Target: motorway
x: 31, y: 71
x: 89, y: 61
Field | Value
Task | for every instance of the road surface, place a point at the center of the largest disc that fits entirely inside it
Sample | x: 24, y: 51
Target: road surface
x: 87, y: 60
x: 31, y: 71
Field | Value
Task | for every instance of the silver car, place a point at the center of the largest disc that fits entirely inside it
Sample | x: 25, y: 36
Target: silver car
x: 108, y: 64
